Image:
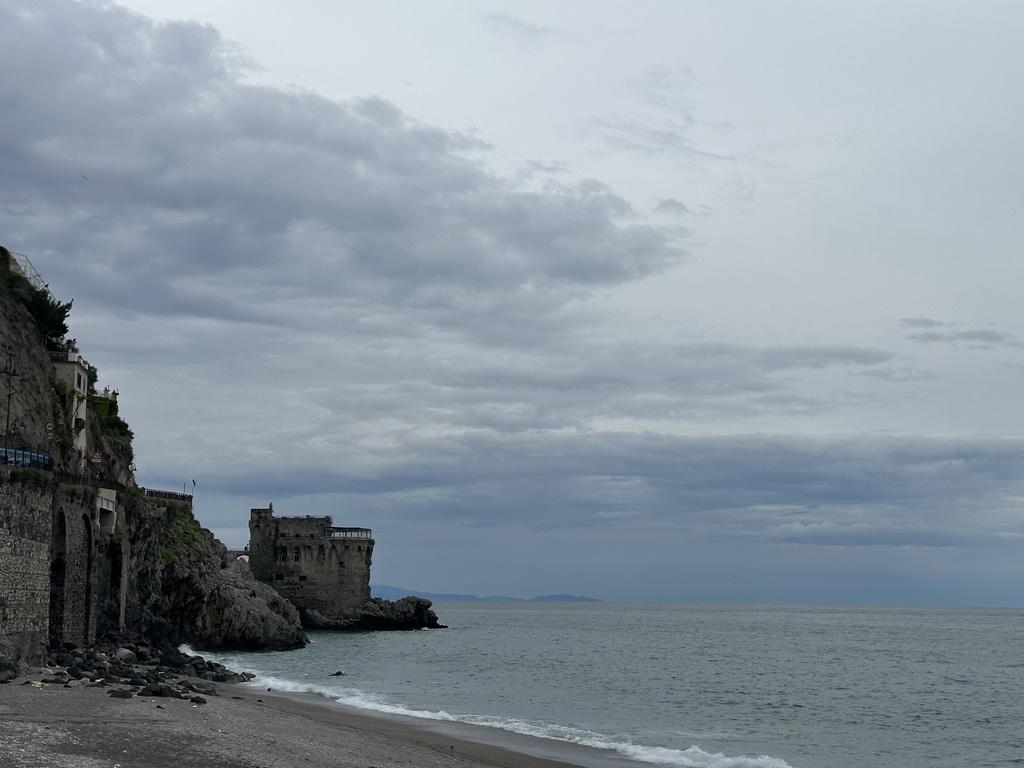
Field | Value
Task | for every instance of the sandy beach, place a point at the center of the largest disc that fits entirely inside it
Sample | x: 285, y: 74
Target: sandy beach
x: 53, y: 726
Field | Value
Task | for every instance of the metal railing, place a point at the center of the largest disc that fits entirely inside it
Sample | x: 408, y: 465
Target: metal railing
x: 21, y: 264
x: 13, y: 457
x: 350, y: 533
x: 166, y: 495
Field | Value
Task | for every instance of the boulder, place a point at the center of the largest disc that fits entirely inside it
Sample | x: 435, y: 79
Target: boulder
x: 240, y: 613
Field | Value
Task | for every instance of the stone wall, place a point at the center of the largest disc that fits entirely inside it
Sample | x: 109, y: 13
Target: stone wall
x: 76, y: 565
x: 310, y: 562
x: 61, y: 579
x: 24, y: 570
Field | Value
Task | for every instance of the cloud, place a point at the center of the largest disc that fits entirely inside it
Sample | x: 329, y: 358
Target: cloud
x: 671, y: 205
x: 900, y: 373
x: 223, y: 185
x: 646, y: 136
x: 881, y: 534
x: 924, y: 330
x: 334, y: 306
x: 665, y: 88
x: 742, y: 489
x: 522, y: 32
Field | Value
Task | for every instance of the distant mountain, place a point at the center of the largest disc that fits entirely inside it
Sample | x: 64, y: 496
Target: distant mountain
x: 394, y: 593
x: 564, y: 599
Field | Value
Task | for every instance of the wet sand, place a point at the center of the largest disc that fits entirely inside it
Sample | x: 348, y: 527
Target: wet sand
x: 53, y: 726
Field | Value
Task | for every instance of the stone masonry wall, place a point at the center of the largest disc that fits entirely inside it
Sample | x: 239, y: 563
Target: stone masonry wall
x: 24, y: 570
x: 73, y: 596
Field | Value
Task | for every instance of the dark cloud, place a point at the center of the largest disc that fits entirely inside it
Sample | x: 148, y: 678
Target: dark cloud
x: 215, y: 180
x: 827, y: 491
x: 924, y: 330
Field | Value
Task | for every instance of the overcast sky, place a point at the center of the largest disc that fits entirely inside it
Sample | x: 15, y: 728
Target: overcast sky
x: 694, y: 301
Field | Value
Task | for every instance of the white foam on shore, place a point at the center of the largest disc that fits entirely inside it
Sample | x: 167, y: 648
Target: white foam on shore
x: 693, y: 757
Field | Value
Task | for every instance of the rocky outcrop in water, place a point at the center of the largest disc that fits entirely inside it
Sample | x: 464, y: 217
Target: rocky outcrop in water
x: 378, y: 614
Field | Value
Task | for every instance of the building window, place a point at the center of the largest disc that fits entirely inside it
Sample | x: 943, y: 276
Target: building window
x: 298, y: 554
x: 278, y: 577
x: 302, y: 578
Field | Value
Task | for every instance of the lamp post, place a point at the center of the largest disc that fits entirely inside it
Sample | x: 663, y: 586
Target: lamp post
x: 10, y: 373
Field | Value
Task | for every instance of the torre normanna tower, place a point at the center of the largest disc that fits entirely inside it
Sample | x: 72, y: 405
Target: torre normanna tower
x: 310, y: 562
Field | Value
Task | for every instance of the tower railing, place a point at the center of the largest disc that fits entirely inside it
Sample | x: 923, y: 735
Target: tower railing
x: 350, y: 533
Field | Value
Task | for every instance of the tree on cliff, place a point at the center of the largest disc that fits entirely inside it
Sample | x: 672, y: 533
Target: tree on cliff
x: 50, y: 315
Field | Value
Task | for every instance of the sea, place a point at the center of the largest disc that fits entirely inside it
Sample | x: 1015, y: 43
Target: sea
x: 708, y: 686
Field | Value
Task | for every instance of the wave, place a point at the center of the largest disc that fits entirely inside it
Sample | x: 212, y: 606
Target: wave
x: 693, y: 757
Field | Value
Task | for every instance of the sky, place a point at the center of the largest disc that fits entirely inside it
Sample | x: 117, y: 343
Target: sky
x: 666, y: 301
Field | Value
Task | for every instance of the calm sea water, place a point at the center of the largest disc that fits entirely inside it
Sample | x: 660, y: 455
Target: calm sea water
x: 717, y: 686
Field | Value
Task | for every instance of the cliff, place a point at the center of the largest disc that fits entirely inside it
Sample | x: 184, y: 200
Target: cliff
x: 84, y: 553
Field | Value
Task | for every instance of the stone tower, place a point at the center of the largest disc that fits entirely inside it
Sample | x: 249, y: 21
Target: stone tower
x: 310, y: 562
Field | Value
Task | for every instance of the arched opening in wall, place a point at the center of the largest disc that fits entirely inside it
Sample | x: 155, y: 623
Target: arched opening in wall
x: 58, y: 577
x: 114, y: 603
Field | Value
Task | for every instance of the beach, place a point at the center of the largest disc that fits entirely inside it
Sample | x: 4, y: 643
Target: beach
x: 53, y: 726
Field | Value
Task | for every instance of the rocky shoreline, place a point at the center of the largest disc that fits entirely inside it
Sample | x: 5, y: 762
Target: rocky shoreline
x: 51, y: 718
x: 130, y: 669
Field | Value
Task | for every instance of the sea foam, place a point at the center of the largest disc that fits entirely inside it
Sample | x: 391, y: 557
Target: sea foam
x: 693, y: 757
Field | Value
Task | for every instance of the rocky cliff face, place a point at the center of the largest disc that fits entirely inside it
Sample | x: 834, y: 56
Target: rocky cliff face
x: 183, y: 590
x: 156, y: 575
x: 73, y: 571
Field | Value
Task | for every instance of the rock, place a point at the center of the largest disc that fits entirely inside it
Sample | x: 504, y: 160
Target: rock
x: 378, y: 614
x: 339, y: 673
x: 240, y: 613
x: 160, y: 690
x: 13, y: 653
